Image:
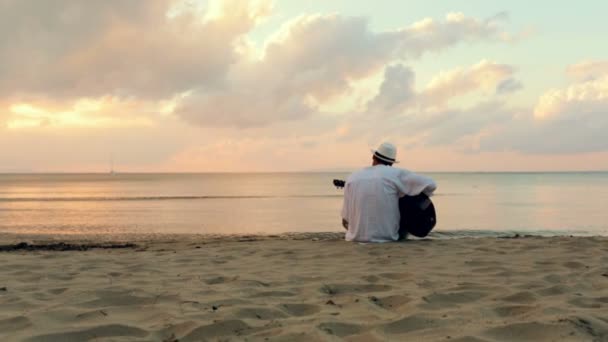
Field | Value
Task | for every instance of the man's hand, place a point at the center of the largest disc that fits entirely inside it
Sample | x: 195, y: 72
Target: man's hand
x: 345, y: 224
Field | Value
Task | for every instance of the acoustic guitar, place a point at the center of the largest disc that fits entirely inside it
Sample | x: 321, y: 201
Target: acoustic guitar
x: 418, y: 215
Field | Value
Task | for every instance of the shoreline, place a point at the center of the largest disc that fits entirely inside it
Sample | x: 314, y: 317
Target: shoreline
x: 309, y: 288
x: 11, y: 237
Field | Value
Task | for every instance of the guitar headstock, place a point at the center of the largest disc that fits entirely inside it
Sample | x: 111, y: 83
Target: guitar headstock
x: 338, y: 183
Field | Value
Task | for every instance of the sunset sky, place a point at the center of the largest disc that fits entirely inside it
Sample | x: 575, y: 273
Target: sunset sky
x: 291, y: 85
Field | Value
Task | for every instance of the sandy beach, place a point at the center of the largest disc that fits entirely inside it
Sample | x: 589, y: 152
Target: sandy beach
x: 308, y: 288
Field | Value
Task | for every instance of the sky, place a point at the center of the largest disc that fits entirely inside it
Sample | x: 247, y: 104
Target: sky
x: 289, y: 85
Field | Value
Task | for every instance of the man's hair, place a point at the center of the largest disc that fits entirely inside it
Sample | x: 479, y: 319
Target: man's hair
x: 383, y: 162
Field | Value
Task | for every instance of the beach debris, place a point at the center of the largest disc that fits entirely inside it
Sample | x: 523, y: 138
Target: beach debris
x: 61, y: 246
x: 605, y: 275
x: 327, y: 289
x: 247, y: 238
x: 585, y: 325
x: 171, y: 338
x: 3, y: 289
x: 330, y: 302
x: 214, y: 308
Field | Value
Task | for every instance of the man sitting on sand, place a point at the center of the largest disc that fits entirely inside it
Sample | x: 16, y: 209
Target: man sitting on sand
x: 370, y: 212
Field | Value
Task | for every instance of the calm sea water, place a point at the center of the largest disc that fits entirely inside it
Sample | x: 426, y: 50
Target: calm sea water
x: 467, y: 203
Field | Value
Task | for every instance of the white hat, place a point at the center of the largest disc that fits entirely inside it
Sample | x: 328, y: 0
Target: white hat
x: 386, y: 152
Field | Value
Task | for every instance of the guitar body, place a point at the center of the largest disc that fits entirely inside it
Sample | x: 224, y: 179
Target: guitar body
x: 418, y: 215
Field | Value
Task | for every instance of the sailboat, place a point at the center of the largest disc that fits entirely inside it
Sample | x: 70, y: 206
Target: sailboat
x: 112, y: 172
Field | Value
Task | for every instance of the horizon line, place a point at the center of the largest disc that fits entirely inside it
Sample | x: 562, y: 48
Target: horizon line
x: 269, y: 172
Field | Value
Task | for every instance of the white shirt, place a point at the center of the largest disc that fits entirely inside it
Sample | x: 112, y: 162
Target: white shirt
x: 371, y: 201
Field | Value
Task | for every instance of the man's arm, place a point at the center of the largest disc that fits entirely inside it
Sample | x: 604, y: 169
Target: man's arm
x: 413, y: 184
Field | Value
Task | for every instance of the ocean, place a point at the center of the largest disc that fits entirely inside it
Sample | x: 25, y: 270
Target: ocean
x: 467, y: 204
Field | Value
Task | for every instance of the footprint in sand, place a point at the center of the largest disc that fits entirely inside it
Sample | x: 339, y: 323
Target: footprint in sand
x: 226, y: 302
x: 395, y: 276
x: 595, y: 328
x: 58, y: 291
x: 528, y: 286
x: 544, y: 262
x: 109, y: 298
x: 442, y: 300
x: 259, y: 313
x: 340, y: 329
x: 273, y: 294
x: 513, y: 310
x: 92, y: 315
x: 371, y: 278
x: 574, y: 265
x: 468, y: 339
x: 492, y: 270
x: 391, y: 302
x: 589, y: 303
x: 554, y: 290
x: 334, y: 289
x: 300, y: 310
x: 411, y: 323
x: 218, y: 329
x: 170, y: 331
x: 554, y: 278
x: 219, y: 280
x: 482, y: 263
x: 523, y: 297
x: 296, y: 337
x: 15, y: 323
x: 102, y: 331
x: 534, y: 331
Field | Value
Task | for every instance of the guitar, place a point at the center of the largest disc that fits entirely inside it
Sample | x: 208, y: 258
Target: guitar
x: 418, y: 215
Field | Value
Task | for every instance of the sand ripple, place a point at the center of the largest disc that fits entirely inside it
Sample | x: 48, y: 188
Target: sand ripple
x: 310, y: 289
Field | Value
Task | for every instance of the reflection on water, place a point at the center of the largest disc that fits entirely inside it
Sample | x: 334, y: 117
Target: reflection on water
x: 296, y: 202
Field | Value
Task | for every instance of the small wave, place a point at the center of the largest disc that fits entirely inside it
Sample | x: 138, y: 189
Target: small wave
x: 152, y: 198
x: 475, y: 233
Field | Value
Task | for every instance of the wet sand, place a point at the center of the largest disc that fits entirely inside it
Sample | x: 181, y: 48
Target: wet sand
x: 307, y: 287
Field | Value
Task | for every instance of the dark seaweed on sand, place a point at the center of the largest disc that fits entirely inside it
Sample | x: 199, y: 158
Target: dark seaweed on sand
x: 61, y: 246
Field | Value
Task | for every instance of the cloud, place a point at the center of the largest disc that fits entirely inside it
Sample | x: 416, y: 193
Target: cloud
x: 563, y: 121
x: 569, y: 120
x: 508, y: 86
x: 483, y: 76
x: 460, y: 129
x: 588, y: 70
x: 315, y: 58
x: 71, y: 48
x: 397, y: 94
x: 104, y: 112
x: 396, y: 91
x: 579, y: 101
x: 152, y: 50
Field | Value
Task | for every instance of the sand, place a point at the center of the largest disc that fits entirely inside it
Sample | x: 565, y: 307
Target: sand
x: 309, y: 288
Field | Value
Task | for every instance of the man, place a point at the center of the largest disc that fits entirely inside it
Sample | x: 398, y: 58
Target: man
x: 370, y: 212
